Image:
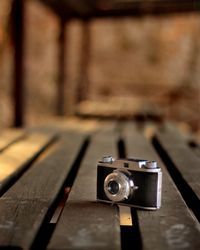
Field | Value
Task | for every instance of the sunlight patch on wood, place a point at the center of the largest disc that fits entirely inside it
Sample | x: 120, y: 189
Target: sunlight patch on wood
x: 8, y: 136
x: 125, y: 216
x: 13, y: 158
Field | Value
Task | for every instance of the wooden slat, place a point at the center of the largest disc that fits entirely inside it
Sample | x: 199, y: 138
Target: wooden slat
x: 16, y: 158
x: 18, y: 28
x: 9, y: 136
x: 60, y: 109
x: 187, y: 163
x: 84, y: 223
x: 183, y: 164
x: 172, y: 226
x: 28, y: 203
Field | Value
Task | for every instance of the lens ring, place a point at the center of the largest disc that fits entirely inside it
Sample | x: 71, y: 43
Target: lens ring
x: 125, y: 186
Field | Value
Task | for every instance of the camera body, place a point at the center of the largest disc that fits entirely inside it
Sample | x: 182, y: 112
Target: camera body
x: 131, y: 182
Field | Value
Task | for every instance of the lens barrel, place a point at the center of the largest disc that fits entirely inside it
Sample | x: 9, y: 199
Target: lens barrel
x: 118, y: 186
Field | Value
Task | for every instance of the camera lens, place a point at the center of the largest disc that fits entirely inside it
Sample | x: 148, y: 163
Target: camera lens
x: 118, y: 186
x: 113, y: 187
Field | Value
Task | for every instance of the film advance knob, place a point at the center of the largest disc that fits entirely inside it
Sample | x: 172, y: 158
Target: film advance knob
x: 107, y: 159
x: 151, y: 164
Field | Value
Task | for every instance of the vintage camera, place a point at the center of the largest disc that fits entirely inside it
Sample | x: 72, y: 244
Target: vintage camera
x: 131, y: 182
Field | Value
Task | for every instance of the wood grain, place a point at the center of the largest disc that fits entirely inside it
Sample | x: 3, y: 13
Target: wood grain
x: 28, y: 203
x: 16, y: 158
x: 171, y: 227
x: 84, y: 223
x: 183, y: 164
x: 187, y: 163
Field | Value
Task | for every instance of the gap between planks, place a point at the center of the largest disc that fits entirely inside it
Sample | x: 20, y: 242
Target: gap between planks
x: 82, y: 215
x: 173, y: 220
x: 16, y: 158
x: 30, y: 202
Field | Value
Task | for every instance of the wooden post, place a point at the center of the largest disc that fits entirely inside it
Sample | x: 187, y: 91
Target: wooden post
x: 83, y: 81
x: 17, y: 22
x: 61, y: 69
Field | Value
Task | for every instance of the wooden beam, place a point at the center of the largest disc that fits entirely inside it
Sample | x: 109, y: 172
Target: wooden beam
x: 17, y: 21
x: 111, y: 8
x: 83, y: 81
x: 60, y: 109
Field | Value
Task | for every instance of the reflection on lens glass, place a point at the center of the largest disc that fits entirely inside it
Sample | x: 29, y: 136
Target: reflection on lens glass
x: 113, y: 187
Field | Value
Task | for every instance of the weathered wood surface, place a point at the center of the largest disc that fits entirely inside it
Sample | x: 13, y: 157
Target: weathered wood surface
x: 116, y: 8
x: 17, y: 23
x: 28, y: 206
x: 173, y: 226
x: 84, y: 223
x: 175, y: 146
x: 194, y: 145
x: 9, y: 136
x: 16, y: 158
x: 183, y: 164
x: 28, y: 203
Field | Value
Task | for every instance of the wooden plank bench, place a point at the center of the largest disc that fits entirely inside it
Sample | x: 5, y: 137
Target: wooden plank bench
x: 48, y: 190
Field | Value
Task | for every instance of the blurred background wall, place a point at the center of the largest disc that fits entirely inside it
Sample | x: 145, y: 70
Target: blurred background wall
x: 151, y: 60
